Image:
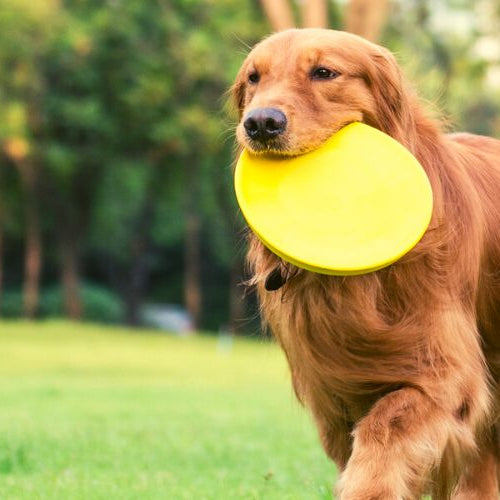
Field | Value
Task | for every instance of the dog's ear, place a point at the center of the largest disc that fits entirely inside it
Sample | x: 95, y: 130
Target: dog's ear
x: 238, y: 92
x: 393, y: 113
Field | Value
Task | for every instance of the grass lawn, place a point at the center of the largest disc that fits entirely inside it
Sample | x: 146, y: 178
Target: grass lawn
x: 92, y: 412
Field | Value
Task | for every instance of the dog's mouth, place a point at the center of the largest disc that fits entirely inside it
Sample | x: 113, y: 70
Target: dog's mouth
x: 278, y: 147
x: 283, y: 146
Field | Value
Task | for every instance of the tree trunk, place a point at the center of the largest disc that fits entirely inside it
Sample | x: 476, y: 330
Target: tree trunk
x: 192, y: 267
x: 314, y: 14
x: 366, y: 18
x: 33, y: 241
x: 137, y: 279
x: 137, y: 276
x: 279, y: 14
x: 70, y: 275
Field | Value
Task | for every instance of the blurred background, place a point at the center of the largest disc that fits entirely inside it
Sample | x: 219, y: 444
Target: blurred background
x: 118, y: 223
x: 116, y: 200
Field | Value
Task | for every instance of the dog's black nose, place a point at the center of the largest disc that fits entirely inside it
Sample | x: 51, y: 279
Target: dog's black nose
x: 262, y: 124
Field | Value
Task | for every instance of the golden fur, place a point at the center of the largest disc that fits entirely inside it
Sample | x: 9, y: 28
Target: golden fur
x: 401, y: 367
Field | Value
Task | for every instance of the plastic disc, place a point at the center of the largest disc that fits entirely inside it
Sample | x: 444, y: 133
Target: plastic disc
x: 354, y: 205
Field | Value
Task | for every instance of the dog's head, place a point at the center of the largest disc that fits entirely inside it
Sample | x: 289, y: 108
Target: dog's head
x: 298, y: 87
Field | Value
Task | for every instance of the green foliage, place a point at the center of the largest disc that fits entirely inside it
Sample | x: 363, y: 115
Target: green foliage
x: 118, y: 106
x: 437, y: 45
x: 101, y: 413
x: 99, y: 304
x: 12, y: 303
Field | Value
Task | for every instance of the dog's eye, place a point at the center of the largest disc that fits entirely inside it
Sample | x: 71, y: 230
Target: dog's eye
x: 254, y: 77
x: 322, y: 73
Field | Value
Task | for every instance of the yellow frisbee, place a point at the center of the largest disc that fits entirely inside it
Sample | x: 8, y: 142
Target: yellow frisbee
x: 356, y: 204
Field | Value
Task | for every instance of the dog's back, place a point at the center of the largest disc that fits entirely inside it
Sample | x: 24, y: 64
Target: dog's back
x: 481, y: 156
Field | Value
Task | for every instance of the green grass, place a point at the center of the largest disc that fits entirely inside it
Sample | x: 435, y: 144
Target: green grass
x: 89, y: 412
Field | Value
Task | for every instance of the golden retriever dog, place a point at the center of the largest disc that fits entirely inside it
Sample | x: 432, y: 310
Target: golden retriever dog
x: 400, y: 368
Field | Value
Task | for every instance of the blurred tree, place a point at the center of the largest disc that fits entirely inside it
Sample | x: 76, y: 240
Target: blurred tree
x: 110, y: 99
x: 33, y: 239
x: 314, y: 14
x: 362, y: 17
x: 366, y: 18
x: 10, y: 221
x: 23, y: 35
x: 167, y: 96
x: 437, y: 44
x: 280, y: 14
x: 75, y: 129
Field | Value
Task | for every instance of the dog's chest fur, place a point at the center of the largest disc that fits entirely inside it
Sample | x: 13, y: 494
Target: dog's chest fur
x: 346, y: 338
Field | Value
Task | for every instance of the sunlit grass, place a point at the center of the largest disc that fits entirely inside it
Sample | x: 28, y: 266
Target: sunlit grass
x: 107, y: 413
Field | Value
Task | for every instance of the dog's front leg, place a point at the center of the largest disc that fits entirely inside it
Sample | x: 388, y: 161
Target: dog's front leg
x: 396, y: 446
